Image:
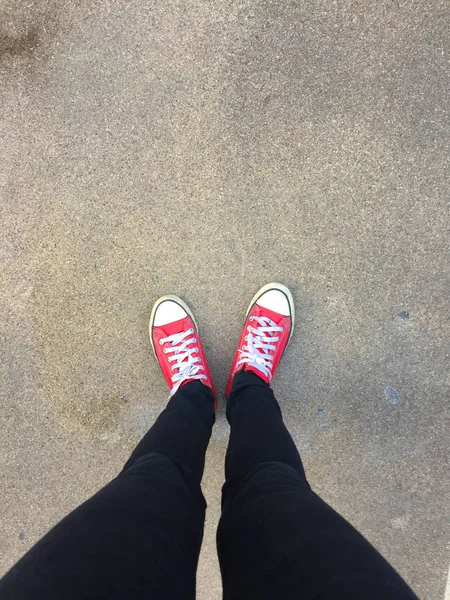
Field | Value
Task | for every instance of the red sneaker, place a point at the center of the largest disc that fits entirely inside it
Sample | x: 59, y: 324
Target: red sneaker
x: 177, y: 347
x: 267, y: 331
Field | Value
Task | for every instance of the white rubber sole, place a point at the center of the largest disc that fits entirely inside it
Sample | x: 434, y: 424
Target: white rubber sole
x: 286, y: 291
x: 176, y: 299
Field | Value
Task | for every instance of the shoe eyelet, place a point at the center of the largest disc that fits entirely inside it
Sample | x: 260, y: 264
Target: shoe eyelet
x: 196, y: 350
x: 161, y: 343
x: 194, y: 340
x: 191, y: 330
x: 248, y: 329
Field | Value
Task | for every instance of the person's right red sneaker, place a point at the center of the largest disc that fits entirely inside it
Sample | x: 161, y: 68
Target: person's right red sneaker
x: 176, y: 344
x: 267, y: 331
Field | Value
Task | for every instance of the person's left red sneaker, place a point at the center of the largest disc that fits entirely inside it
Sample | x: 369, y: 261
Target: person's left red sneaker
x: 176, y: 344
x: 266, y: 333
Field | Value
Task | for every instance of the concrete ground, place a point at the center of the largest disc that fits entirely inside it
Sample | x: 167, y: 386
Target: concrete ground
x: 205, y: 148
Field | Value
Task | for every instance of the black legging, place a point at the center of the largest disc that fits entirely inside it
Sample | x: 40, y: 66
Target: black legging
x: 140, y: 536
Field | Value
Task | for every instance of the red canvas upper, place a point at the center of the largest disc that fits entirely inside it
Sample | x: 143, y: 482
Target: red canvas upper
x: 280, y: 320
x: 163, y: 331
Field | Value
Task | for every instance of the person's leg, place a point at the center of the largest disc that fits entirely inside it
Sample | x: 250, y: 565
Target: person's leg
x: 140, y: 536
x: 277, y: 538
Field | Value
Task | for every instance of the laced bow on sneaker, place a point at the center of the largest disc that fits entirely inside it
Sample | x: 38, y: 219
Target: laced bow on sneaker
x: 260, y: 341
x: 186, y: 365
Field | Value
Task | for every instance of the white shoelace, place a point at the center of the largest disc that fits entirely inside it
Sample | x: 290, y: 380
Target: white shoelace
x: 257, y: 350
x: 186, y: 366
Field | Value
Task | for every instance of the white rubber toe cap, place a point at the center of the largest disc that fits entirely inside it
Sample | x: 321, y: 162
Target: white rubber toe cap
x: 276, y: 301
x: 168, y: 312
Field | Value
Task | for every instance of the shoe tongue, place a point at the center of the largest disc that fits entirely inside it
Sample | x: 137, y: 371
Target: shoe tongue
x: 255, y: 368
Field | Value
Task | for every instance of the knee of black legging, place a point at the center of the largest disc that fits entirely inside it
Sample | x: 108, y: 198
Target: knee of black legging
x: 263, y: 480
x: 145, y: 462
x: 166, y: 468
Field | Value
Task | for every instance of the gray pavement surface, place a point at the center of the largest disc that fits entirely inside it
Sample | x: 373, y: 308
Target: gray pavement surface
x: 204, y: 148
